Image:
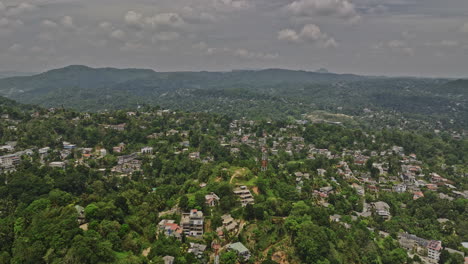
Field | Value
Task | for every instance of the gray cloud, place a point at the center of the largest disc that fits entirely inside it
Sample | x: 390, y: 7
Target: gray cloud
x: 309, y: 33
x: 339, y: 8
x: 464, y: 28
x: 226, y: 34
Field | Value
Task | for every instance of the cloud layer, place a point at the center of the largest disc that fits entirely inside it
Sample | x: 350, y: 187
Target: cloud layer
x: 360, y: 36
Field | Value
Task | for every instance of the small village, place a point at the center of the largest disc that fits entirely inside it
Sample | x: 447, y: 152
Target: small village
x: 360, y: 173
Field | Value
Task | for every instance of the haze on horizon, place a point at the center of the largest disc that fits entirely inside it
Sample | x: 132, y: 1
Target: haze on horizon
x: 372, y: 37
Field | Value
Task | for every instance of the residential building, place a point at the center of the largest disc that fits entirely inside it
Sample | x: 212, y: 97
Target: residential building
x: 10, y: 160
x: 126, y: 158
x: 382, y: 209
x: 147, y: 150
x: 119, y: 148
x: 170, y: 228
x: 57, y: 164
x: 197, y: 249
x: 68, y: 145
x: 433, y: 250
x: 417, y: 195
x: 194, y: 155
x: 400, y: 188
x: 192, y: 223
x: 421, y: 246
x: 244, y: 194
x: 241, y: 250
x: 229, y: 223
x: 168, y: 259
x: 44, y: 151
x: 212, y: 199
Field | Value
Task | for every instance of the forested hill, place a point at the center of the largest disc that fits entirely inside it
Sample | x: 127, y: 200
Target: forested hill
x: 257, y: 94
x: 6, y: 74
x: 457, y: 87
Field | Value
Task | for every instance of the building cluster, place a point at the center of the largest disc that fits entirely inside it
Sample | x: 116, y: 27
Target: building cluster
x: 429, y: 249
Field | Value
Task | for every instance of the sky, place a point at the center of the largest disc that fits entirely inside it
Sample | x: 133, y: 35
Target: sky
x: 372, y: 37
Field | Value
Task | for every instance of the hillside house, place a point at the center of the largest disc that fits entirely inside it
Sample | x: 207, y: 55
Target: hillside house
x: 241, y: 251
x: 68, y: 145
x: 192, y: 223
x: 147, y: 150
x: 211, y: 199
x: 57, y: 164
x: 229, y: 223
x: 382, y: 209
x: 170, y: 229
x: 244, y: 194
x: 197, y: 249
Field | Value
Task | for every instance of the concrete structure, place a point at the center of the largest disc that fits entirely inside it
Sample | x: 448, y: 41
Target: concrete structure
x: 192, y: 223
x: 147, y: 150
x: 197, y: 249
x: 170, y: 228
x: 433, y: 250
x: 168, y: 259
x: 244, y: 194
x: 57, y: 164
x: 212, y: 199
x: 382, y: 209
x: 241, y: 250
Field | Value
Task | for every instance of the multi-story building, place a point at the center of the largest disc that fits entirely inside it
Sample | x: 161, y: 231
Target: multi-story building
x: 244, y: 194
x: 192, y: 223
x: 433, y: 250
x: 382, y: 209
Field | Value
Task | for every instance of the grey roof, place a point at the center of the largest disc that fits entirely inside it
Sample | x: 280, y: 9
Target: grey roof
x: 239, y: 247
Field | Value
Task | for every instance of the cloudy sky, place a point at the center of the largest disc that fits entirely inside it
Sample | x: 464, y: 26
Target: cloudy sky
x: 377, y: 37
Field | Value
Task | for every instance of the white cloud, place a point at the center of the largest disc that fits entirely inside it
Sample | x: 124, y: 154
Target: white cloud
x: 5, y: 22
x: 134, y: 19
x: 464, y: 28
x: 331, y: 43
x: 397, y: 46
x: 232, y: 4
x: 36, y: 49
x: 309, y: 33
x: 289, y: 35
x: 239, y: 52
x: 340, y: 8
x: 196, y: 16
x: 105, y: 25
x: 118, y: 34
x: 49, y: 23
x: 67, y: 22
x: 165, y: 19
x: 165, y: 36
x: 132, y: 46
x: 444, y: 44
x: 15, y: 47
x: 2, y: 6
x: 236, y: 3
x: 247, y: 54
x: 19, y: 9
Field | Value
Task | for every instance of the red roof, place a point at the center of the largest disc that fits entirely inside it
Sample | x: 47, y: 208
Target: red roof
x: 435, y: 245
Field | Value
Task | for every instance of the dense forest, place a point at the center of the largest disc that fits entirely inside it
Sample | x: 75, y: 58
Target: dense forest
x: 273, y: 94
x: 80, y: 187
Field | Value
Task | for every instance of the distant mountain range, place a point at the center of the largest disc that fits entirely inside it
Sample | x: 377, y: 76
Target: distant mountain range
x: 6, y: 74
x: 270, y: 93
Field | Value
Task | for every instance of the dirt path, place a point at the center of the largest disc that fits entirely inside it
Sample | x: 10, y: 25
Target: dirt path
x: 237, y: 173
x: 255, y: 190
x: 146, y: 252
x: 278, y: 256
